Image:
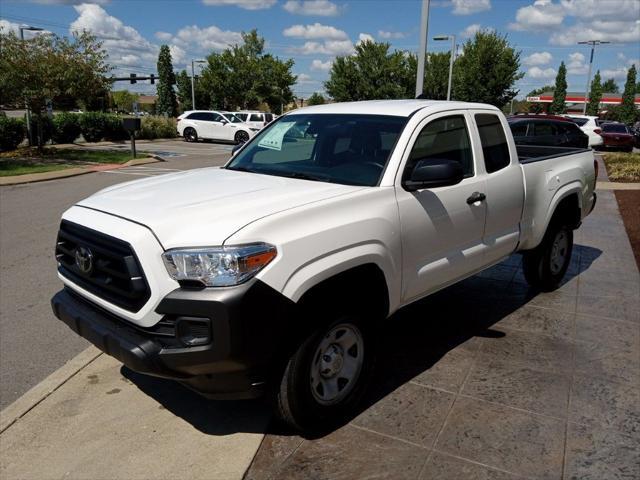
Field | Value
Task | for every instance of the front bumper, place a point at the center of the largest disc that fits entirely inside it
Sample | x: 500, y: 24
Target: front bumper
x: 248, y: 327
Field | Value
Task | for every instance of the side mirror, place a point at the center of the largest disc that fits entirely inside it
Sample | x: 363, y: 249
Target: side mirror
x: 433, y: 172
x: 224, y: 122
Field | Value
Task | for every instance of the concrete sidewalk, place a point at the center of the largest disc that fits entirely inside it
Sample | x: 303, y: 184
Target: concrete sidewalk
x: 108, y: 422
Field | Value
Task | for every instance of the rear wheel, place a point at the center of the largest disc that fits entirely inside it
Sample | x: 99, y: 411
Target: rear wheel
x: 327, y: 375
x: 545, y: 266
x: 241, y: 137
x: 190, y: 134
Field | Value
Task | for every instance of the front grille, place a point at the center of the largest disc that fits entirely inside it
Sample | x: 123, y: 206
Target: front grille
x: 112, y: 270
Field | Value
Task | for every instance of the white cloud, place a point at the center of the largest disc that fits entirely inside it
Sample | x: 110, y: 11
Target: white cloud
x: 315, y: 31
x: 390, y: 35
x: 471, y: 30
x: 163, y: 36
x: 320, y: 8
x: 304, y: 78
x: 538, y: 58
x: 468, y: 7
x: 319, y: 65
x: 246, y: 4
x: 618, y: 73
x: 365, y: 37
x: 209, y: 38
x: 69, y: 2
x: 615, y: 21
x: 7, y: 26
x: 538, y: 73
x: 328, y: 47
x: 576, y: 64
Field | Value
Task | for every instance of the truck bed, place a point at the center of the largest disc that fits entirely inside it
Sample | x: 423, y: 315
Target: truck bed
x: 538, y: 153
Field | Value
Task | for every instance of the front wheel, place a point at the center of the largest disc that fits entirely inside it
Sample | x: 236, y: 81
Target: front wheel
x: 190, y: 134
x: 326, y: 377
x: 241, y: 137
x: 545, y: 266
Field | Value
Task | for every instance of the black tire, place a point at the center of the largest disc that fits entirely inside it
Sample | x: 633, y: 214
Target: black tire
x: 297, y: 405
x: 190, y: 134
x: 241, y: 137
x: 545, y: 266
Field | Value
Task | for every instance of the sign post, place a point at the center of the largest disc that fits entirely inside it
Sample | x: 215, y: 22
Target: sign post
x: 132, y: 125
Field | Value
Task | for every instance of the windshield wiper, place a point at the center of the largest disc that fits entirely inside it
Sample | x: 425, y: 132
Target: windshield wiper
x: 305, y: 176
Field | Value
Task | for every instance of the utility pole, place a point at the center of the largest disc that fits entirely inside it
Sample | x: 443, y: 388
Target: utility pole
x: 451, y: 59
x: 422, y: 51
x: 26, y: 102
x: 193, y: 77
x: 593, y: 44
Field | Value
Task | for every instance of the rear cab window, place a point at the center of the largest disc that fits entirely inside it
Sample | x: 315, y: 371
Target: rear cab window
x: 494, y: 142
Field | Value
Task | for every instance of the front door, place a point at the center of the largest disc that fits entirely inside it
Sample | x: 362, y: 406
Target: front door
x: 442, y: 228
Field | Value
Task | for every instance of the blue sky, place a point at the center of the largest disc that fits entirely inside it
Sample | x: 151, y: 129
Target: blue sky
x: 314, y: 32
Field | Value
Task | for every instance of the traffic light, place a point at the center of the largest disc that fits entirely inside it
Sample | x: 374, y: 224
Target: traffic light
x: 152, y: 77
x: 132, y: 78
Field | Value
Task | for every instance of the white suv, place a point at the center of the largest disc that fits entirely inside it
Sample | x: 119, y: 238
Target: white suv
x: 255, y: 118
x: 589, y: 125
x: 212, y: 125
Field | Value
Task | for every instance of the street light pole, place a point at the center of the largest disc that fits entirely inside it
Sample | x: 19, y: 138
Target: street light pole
x: 451, y: 59
x: 26, y: 103
x: 587, y: 91
x: 422, y: 51
x: 193, y: 78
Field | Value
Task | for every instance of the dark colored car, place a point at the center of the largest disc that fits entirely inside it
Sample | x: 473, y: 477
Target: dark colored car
x: 547, y: 132
x: 617, y: 136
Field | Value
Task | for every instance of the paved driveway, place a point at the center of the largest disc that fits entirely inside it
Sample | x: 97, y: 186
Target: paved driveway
x: 486, y: 380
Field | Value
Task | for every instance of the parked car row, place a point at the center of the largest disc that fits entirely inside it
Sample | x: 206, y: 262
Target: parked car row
x: 582, y: 131
x: 237, y: 127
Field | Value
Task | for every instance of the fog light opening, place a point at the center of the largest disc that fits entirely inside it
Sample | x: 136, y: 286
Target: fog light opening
x: 192, y: 332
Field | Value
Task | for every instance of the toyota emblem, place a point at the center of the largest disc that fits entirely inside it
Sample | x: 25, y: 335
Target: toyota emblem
x: 84, y: 260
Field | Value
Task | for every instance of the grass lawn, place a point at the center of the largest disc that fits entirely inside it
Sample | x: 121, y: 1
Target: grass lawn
x: 30, y: 160
x: 623, y: 167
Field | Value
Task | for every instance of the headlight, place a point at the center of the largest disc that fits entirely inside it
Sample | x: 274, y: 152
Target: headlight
x: 218, y: 266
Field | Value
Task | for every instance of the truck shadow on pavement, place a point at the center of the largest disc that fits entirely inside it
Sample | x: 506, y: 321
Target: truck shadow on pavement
x: 412, y: 345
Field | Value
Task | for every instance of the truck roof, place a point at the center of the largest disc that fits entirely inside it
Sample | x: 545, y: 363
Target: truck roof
x: 398, y: 108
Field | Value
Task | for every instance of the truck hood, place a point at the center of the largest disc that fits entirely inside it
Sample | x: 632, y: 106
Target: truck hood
x: 204, y: 207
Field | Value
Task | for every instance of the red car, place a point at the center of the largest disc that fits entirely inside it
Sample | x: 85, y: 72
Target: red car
x: 617, y: 136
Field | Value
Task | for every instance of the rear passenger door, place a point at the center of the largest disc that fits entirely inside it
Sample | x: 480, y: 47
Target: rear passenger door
x: 442, y: 228
x: 504, y: 186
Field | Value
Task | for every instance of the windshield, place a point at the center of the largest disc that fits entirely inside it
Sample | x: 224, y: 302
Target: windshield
x: 231, y: 117
x: 614, y: 128
x: 347, y: 149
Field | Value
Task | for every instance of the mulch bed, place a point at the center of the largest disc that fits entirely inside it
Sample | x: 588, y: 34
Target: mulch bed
x: 629, y: 204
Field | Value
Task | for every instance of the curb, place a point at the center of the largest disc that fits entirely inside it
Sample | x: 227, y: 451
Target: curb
x: 604, y: 185
x: 74, y: 172
x: 46, y: 387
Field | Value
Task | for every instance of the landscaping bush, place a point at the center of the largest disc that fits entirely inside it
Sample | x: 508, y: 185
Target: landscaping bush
x: 113, y: 130
x: 157, y: 127
x: 66, y: 127
x: 93, y: 126
x: 11, y: 133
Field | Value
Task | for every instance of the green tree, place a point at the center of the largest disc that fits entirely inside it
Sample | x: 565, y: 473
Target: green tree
x: 49, y: 67
x: 628, y: 112
x: 595, y: 95
x: 167, y: 104
x: 436, y: 75
x: 610, y: 86
x: 372, y: 73
x: 243, y: 76
x: 316, y: 99
x: 487, y: 70
x: 560, y: 92
x: 123, y: 100
x: 183, y: 84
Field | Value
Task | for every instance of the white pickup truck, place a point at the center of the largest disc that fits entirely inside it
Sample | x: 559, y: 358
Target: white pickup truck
x: 272, y: 273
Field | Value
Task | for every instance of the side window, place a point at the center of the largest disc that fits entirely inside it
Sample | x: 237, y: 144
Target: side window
x: 268, y: 117
x: 255, y: 117
x: 543, y: 129
x: 519, y: 129
x: 215, y: 117
x: 195, y: 116
x: 444, y: 138
x: 494, y: 142
x: 242, y: 116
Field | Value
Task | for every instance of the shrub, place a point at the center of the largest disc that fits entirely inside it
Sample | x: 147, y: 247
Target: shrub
x: 93, y: 126
x: 113, y: 130
x: 157, y: 127
x: 11, y: 133
x: 66, y: 127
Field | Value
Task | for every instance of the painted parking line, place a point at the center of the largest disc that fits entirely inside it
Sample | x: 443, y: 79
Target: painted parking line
x: 143, y: 171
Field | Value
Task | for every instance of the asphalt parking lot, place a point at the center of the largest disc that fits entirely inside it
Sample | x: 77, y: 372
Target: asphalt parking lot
x: 32, y: 342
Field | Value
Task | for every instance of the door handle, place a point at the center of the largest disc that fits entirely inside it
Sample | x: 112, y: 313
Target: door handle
x: 476, y: 197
